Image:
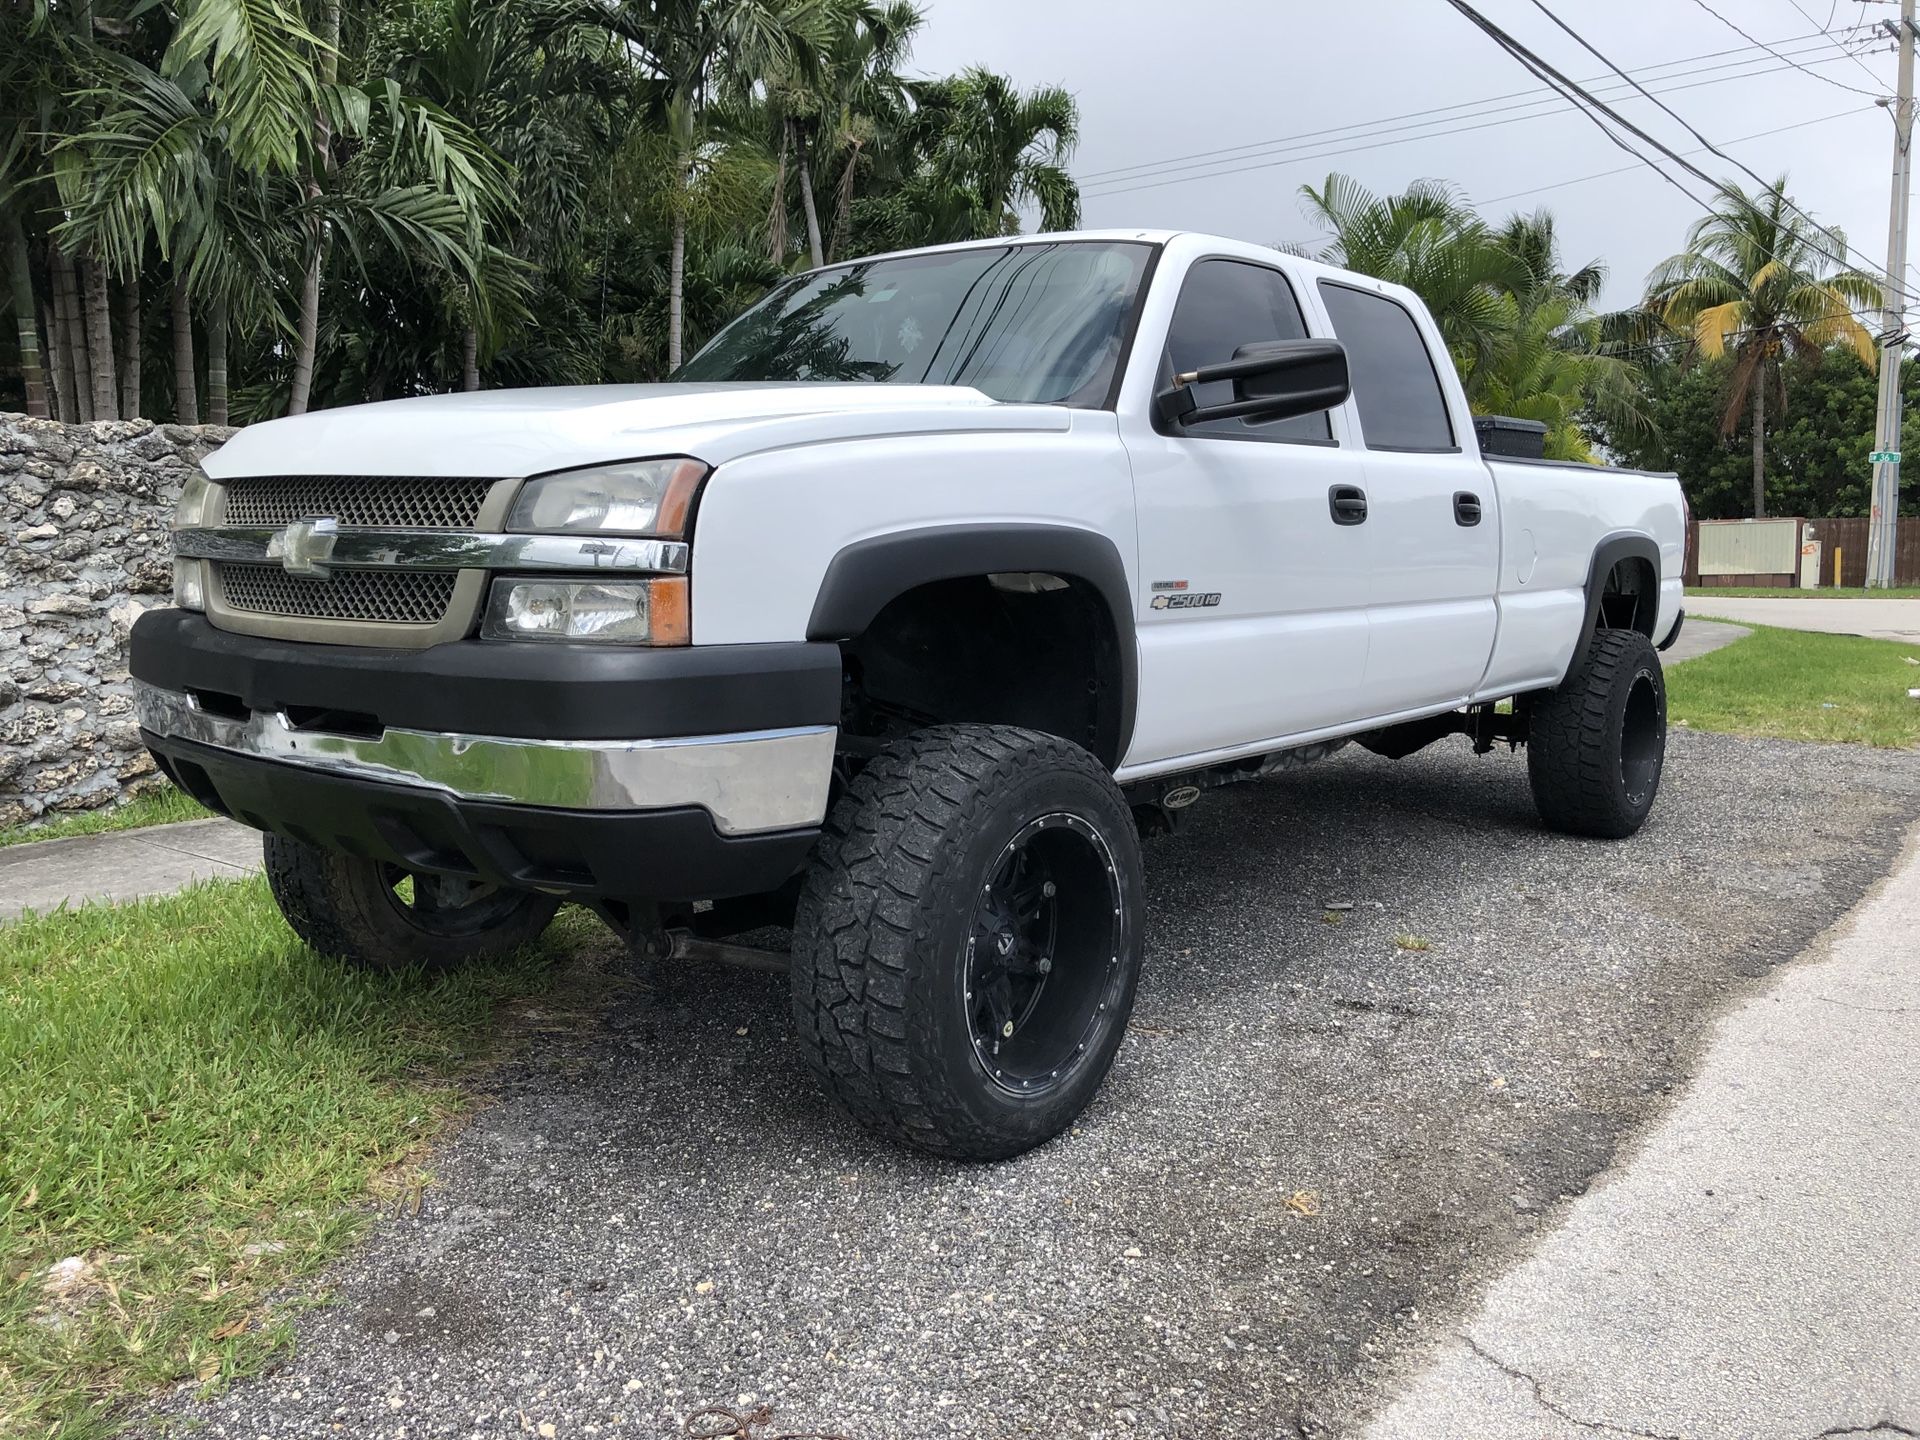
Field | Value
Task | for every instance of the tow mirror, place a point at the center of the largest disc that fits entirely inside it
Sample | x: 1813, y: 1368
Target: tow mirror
x: 1272, y: 380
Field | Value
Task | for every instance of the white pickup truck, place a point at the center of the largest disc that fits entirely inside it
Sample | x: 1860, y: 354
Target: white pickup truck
x: 896, y: 618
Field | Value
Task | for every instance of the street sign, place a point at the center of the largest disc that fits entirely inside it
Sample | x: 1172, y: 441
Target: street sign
x: 1889, y: 457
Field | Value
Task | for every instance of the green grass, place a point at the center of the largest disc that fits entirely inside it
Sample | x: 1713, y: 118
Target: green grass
x: 1800, y: 686
x: 1748, y: 592
x: 157, y: 807
x: 199, y: 1108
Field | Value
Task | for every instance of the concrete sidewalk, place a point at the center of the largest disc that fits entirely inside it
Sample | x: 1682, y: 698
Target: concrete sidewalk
x: 1876, y: 619
x: 1702, y: 637
x: 124, y: 864
x: 1749, y: 1274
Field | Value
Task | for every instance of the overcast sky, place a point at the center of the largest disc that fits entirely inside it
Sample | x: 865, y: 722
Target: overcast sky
x: 1161, y: 81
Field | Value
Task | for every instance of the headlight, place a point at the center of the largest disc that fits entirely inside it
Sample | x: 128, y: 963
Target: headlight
x: 636, y: 612
x: 191, y: 509
x: 636, y: 497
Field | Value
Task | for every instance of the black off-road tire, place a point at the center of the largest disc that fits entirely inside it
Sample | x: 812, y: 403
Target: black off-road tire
x: 888, y: 922
x: 346, y: 907
x: 1596, y: 746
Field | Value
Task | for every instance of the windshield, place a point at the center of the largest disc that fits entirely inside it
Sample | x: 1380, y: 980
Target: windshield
x: 1034, y: 323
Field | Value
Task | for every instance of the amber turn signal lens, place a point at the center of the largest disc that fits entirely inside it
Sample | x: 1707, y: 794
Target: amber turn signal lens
x: 672, y: 622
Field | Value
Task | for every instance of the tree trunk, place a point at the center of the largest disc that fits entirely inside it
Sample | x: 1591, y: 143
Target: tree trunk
x: 59, y: 382
x: 319, y: 169
x: 73, y: 340
x: 676, y: 288
x: 806, y: 205
x: 843, y: 201
x: 130, y: 358
x: 309, y: 335
x: 105, y: 385
x: 777, y: 211
x: 186, y: 395
x: 26, y: 312
x: 1760, y: 444
x: 217, y: 364
x: 470, y: 359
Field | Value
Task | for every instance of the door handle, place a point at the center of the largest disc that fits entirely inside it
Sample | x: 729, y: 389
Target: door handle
x: 1347, y: 504
x: 1466, y: 508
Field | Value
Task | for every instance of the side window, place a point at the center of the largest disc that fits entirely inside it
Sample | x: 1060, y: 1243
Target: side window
x: 1401, y: 404
x: 1223, y: 305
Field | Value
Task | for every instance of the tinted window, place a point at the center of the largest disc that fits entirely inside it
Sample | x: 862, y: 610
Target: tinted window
x: 1037, y: 323
x: 1394, y: 385
x: 1223, y: 305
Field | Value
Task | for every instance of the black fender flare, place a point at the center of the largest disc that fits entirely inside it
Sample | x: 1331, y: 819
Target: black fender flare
x: 1624, y: 545
x: 868, y: 574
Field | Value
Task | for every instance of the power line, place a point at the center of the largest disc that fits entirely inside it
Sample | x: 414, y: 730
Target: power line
x: 1685, y: 124
x: 1530, y: 96
x: 1867, y: 69
x: 1876, y: 95
x: 1596, y: 108
x: 1626, y: 169
x: 1423, y: 131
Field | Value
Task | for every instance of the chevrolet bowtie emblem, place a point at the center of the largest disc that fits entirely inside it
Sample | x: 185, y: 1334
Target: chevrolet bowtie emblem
x: 305, y: 546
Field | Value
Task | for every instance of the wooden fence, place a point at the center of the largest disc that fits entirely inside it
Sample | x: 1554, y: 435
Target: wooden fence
x: 1847, y: 535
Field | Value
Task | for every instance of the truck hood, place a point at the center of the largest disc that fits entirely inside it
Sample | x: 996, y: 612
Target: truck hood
x: 489, y: 434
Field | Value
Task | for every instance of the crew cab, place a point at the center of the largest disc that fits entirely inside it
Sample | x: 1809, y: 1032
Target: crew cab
x: 896, y: 618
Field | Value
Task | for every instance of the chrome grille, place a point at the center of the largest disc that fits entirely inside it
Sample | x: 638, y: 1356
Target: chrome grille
x: 393, y: 597
x: 388, y: 502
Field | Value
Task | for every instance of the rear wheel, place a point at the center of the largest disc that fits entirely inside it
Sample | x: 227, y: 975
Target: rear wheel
x: 968, y: 940
x: 381, y: 917
x: 1596, y: 746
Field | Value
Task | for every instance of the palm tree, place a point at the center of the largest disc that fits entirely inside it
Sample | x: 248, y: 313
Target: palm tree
x: 694, y: 51
x: 546, y: 98
x: 1556, y: 360
x: 1005, y: 149
x: 848, y: 98
x: 26, y: 321
x: 1758, y: 282
x: 974, y: 152
x: 1429, y: 240
x: 44, y: 69
x: 173, y: 158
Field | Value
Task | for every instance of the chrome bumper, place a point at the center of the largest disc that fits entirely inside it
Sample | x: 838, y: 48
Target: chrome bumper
x: 751, y: 782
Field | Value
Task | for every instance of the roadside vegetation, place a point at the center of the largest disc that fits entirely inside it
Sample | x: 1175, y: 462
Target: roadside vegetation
x: 197, y: 1110
x: 1793, y: 685
x: 166, y: 806
x: 234, y: 209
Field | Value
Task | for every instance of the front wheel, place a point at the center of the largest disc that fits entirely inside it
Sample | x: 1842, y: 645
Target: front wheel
x: 1597, y: 744
x: 379, y: 917
x: 968, y: 940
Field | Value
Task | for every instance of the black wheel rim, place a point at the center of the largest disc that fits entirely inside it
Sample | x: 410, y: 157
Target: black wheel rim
x: 1640, y: 737
x: 446, y: 905
x: 1043, y: 965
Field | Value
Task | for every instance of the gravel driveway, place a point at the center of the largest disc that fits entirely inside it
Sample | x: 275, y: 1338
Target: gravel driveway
x: 1315, y: 1148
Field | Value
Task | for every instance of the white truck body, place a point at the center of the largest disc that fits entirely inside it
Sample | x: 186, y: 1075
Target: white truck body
x: 803, y: 640
x: 1320, y: 630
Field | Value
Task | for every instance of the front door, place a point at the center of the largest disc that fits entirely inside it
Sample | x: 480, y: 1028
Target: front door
x: 1252, y: 619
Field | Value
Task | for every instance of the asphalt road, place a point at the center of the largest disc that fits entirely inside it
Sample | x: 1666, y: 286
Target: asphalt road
x: 658, y: 1211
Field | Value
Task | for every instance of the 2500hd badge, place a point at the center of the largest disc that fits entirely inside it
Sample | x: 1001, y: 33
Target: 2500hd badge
x: 1189, y: 601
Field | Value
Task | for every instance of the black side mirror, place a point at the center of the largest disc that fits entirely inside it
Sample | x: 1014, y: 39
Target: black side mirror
x: 1272, y: 380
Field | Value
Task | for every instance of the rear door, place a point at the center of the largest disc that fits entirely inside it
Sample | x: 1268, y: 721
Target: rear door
x: 1252, y: 620
x: 1431, y: 516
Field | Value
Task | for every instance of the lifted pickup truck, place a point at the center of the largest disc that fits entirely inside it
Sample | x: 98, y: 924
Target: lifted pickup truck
x: 897, y: 617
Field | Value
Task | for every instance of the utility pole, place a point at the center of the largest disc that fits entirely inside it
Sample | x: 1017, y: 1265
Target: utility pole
x: 1883, y: 527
